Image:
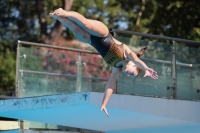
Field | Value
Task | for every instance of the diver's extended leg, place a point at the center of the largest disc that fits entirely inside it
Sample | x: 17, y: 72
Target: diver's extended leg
x: 93, y: 27
x: 79, y: 33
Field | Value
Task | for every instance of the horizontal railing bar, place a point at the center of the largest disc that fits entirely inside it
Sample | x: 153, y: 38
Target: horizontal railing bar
x: 156, y: 36
x: 6, y: 97
x: 154, y: 60
x: 91, y: 52
x: 56, y: 74
x: 169, y: 62
x: 56, y: 47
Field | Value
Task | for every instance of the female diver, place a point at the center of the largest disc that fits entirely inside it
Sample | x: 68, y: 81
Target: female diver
x: 115, y: 53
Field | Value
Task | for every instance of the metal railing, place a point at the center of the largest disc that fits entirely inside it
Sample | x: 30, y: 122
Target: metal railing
x: 6, y: 97
x: 55, y: 47
x: 155, y: 36
x: 173, y: 52
x: 60, y: 75
x: 79, y: 63
x: 79, y: 76
x: 169, y: 62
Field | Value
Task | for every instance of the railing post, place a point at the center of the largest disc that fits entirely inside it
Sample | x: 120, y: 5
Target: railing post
x: 17, y: 72
x: 79, y: 73
x: 174, y: 74
x: 18, y: 81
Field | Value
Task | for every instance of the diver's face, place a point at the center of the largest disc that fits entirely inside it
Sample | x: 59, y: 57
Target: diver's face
x: 130, y: 69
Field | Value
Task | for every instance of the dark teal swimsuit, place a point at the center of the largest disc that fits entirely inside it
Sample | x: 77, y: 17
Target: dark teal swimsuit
x: 108, y: 49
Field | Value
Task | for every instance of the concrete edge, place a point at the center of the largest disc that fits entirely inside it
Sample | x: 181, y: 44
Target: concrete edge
x: 65, y: 99
x: 171, y: 108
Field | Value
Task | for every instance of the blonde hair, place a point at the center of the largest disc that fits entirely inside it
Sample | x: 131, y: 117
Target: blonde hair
x: 140, y: 53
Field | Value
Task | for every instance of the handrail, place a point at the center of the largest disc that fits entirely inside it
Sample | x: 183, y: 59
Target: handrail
x: 56, y: 47
x: 7, y: 97
x: 169, y: 62
x: 156, y: 36
x: 57, y: 74
x: 173, y: 61
x: 120, y: 31
x: 91, y: 52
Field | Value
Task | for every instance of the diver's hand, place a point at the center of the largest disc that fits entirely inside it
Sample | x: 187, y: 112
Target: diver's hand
x: 105, y: 110
x: 150, y: 72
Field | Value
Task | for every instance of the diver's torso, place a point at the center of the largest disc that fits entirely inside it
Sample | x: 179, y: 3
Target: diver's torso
x: 108, y: 49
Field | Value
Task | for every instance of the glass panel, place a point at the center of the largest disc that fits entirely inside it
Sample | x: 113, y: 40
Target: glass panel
x: 95, y: 72
x: 156, y: 50
x: 188, y: 72
x: 158, y: 58
x: 38, y: 85
x: 45, y: 71
x: 93, y: 85
x: 48, y: 60
x: 44, y: 126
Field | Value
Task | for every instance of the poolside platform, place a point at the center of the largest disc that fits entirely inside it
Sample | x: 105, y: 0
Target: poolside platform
x: 127, y: 113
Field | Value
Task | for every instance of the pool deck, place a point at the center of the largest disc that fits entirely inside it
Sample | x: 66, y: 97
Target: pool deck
x: 128, y: 113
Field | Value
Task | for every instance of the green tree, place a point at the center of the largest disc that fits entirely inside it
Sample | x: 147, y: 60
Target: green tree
x: 29, y: 21
x: 7, y: 72
x: 176, y: 18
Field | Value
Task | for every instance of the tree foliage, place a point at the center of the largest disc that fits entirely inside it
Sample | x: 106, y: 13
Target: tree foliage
x: 176, y: 18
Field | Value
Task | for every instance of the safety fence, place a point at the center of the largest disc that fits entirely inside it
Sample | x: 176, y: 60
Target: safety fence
x: 44, y: 69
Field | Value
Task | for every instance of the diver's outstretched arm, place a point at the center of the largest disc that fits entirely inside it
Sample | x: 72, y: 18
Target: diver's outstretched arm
x: 110, y: 87
x: 133, y: 57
